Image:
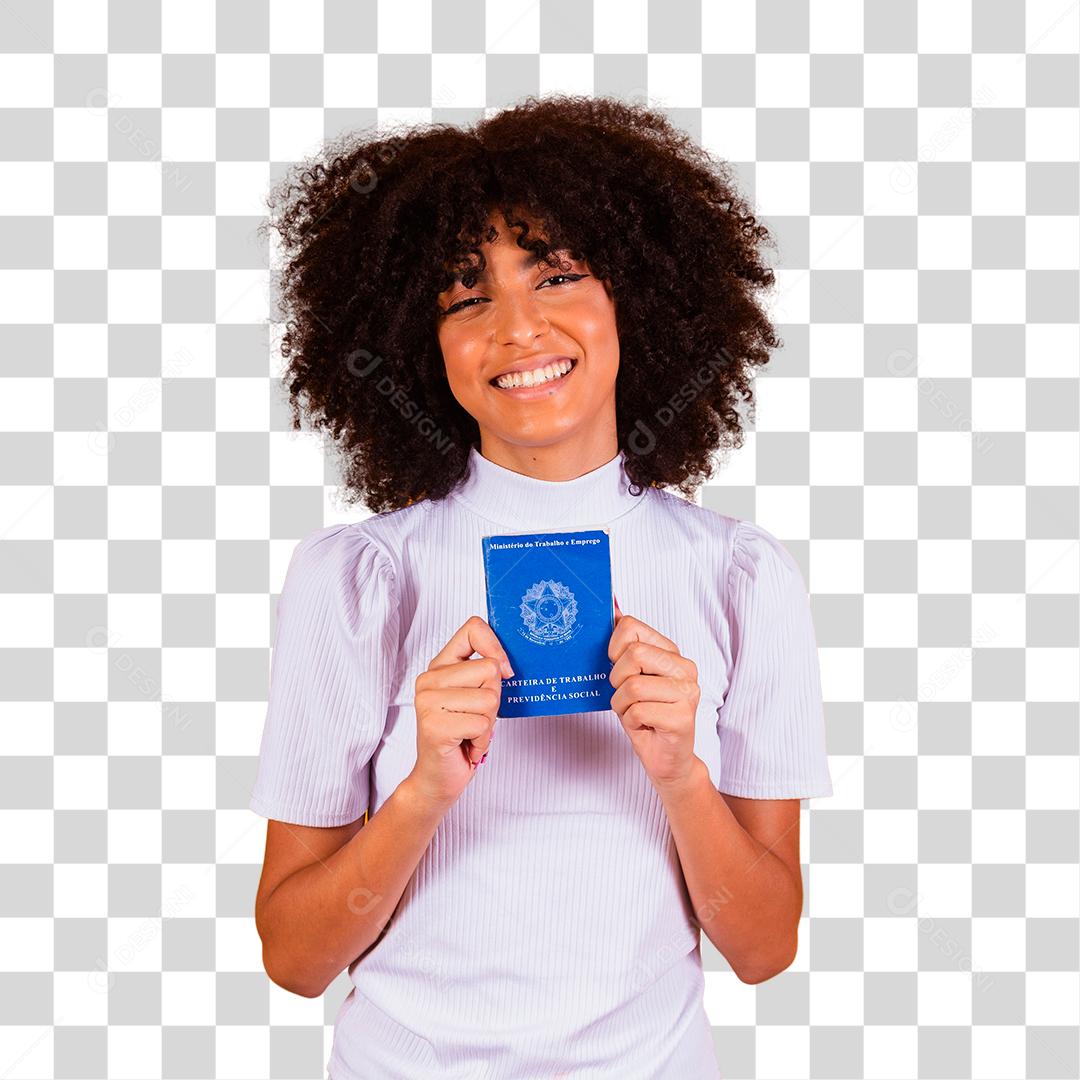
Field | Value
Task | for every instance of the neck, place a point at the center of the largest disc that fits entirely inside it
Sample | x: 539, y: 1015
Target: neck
x: 563, y: 460
x: 588, y: 497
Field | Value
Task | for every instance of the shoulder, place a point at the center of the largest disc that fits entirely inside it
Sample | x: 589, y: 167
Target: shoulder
x: 740, y: 548
x: 763, y: 577
x: 757, y: 552
x: 378, y: 536
x: 332, y: 543
x: 701, y: 527
x: 340, y: 561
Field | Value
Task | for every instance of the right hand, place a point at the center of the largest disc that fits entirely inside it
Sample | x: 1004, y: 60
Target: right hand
x: 456, y: 700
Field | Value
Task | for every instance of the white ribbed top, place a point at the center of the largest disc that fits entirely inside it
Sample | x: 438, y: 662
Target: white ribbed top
x: 547, y: 929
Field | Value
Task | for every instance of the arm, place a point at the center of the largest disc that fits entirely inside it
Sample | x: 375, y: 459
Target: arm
x: 327, y: 894
x: 740, y: 859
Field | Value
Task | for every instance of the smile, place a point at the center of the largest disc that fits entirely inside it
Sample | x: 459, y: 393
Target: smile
x: 541, y: 387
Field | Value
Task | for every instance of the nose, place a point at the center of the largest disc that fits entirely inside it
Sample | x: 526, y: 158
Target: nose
x: 519, y: 318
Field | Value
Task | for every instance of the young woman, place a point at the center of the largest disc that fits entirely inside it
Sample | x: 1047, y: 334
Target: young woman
x: 532, y: 909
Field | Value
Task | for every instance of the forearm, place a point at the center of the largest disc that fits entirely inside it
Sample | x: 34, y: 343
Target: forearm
x: 744, y: 897
x: 322, y: 917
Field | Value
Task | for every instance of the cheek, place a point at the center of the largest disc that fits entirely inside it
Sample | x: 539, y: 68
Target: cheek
x: 598, y: 334
x: 596, y: 313
x: 462, y: 355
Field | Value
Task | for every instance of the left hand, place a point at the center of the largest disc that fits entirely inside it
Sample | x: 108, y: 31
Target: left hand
x: 656, y: 698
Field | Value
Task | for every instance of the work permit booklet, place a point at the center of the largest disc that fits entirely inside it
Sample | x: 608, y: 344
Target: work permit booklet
x: 549, y: 601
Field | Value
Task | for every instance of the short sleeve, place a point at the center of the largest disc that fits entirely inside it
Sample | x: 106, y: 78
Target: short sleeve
x: 335, y: 650
x: 771, y: 722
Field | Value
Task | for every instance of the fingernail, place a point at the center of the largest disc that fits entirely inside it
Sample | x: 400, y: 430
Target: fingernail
x: 483, y: 759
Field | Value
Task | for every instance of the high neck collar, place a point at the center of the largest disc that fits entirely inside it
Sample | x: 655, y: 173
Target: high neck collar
x: 522, y: 502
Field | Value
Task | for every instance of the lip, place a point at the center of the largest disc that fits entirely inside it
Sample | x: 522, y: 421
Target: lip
x: 544, y: 390
x: 532, y: 364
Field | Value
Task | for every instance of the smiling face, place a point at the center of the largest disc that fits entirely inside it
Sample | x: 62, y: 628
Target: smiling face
x: 521, y: 314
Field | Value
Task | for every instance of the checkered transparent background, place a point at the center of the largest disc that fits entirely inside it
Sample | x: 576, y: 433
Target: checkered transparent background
x: 916, y: 448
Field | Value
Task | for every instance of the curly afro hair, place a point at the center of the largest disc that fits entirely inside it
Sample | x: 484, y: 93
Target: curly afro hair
x: 374, y: 228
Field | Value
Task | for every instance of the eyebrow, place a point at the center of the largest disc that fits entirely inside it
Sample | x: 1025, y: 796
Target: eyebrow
x: 529, y: 260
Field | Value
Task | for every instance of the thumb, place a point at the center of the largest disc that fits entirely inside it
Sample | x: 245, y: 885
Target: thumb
x: 473, y: 636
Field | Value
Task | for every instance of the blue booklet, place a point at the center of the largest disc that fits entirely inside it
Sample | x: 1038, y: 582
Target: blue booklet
x: 549, y: 601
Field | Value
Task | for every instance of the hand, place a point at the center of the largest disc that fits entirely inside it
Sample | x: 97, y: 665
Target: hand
x: 656, y: 698
x: 456, y: 701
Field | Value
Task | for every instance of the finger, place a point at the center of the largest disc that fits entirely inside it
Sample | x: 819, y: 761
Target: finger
x: 482, y: 672
x: 473, y: 636
x: 468, y: 732
x: 475, y: 739
x: 479, y: 671
x: 479, y: 731
x: 653, y: 689
x: 643, y: 658
x: 618, y: 611
x: 664, y: 717
x: 468, y: 728
x: 629, y: 629
x: 453, y: 699
x: 478, y: 746
x: 633, y: 630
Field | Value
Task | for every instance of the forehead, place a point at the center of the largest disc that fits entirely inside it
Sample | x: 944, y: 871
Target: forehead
x: 505, y: 253
x: 515, y: 258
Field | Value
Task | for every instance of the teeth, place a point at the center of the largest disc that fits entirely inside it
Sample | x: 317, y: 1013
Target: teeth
x: 534, y: 378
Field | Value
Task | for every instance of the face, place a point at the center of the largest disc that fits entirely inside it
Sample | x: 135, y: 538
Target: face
x: 520, y: 312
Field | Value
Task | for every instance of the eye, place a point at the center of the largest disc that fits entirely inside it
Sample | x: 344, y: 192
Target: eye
x: 565, y: 277
x: 459, y: 305
x: 462, y: 304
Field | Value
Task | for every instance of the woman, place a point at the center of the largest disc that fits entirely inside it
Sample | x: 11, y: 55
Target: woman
x: 533, y: 908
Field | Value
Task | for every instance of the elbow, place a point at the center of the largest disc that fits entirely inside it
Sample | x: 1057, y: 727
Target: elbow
x: 288, y: 981
x: 302, y: 989
x: 279, y: 970
x: 757, y: 975
x: 765, y: 971
x: 296, y: 986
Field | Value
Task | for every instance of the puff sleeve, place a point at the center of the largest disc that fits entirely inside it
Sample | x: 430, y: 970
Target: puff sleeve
x: 771, y: 722
x: 335, y: 651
